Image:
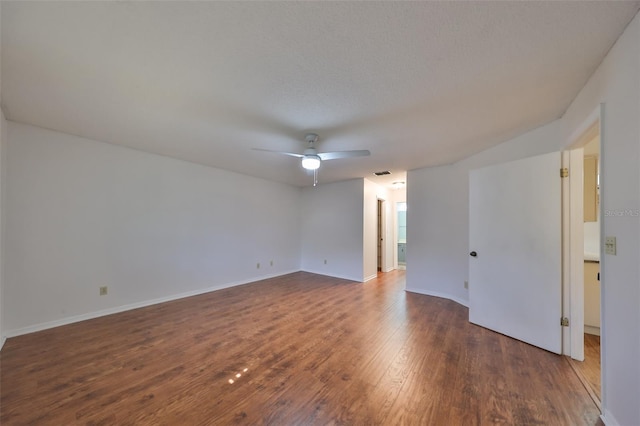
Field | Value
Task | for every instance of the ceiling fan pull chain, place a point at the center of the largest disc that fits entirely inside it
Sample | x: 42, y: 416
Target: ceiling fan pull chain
x: 315, y: 177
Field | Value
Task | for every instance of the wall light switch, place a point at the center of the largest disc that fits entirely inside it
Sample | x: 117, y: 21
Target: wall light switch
x: 610, y: 245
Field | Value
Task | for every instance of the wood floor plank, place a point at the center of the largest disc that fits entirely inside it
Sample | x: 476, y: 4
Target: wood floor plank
x: 590, y: 368
x: 300, y: 349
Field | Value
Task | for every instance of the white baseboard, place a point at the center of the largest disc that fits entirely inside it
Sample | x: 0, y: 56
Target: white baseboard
x: 437, y: 294
x: 117, y: 309
x: 592, y: 330
x: 608, y: 419
x: 370, y: 277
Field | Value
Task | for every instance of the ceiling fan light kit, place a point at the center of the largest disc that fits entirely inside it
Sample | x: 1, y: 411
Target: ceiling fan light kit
x: 311, y: 162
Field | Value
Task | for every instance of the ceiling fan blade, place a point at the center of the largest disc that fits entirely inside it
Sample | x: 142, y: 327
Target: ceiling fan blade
x: 292, y: 154
x: 343, y: 154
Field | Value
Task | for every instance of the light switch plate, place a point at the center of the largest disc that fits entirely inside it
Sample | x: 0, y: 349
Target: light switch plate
x: 610, y: 245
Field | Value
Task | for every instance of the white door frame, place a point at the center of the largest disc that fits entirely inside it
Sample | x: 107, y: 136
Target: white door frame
x: 573, y: 254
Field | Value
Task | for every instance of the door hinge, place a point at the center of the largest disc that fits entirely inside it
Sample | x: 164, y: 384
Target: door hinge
x: 564, y: 321
x: 564, y: 172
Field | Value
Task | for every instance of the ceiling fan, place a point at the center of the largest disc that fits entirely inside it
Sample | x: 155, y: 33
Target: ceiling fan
x: 311, y: 158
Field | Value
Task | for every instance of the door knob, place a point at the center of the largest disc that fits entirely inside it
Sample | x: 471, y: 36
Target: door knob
x: 473, y: 254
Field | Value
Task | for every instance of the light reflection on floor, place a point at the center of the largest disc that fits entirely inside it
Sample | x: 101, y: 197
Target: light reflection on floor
x: 237, y: 376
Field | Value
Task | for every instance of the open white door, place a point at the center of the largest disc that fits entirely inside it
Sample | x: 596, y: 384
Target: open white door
x: 515, y: 232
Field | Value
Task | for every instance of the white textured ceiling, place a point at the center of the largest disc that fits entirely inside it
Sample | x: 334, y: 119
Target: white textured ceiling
x: 417, y: 83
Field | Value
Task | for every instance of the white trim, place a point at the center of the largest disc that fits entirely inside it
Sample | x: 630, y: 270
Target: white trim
x: 608, y: 419
x: 437, y: 294
x: 592, y: 330
x: 370, y: 277
x: 576, y: 253
x: 567, y: 333
x: 130, y: 306
x: 603, y: 264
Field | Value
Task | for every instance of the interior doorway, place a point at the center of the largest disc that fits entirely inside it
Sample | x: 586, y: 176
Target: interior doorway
x: 401, y: 209
x: 586, y: 291
x: 380, y: 234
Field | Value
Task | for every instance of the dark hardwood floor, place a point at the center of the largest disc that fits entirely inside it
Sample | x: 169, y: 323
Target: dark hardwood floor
x: 591, y: 365
x: 299, y: 349
x: 589, y: 370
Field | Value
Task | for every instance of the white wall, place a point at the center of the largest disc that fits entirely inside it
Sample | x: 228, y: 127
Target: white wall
x: 437, y: 252
x: 592, y: 240
x: 437, y: 232
x: 82, y: 214
x: 370, y: 231
x: 332, y: 229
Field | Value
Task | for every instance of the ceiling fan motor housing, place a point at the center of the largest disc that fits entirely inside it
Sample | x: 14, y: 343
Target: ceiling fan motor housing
x: 310, y: 151
x: 311, y: 138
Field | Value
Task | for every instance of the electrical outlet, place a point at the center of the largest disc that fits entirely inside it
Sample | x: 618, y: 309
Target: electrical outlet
x: 103, y: 291
x: 466, y: 284
x: 610, y: 245
x: 325, y: 261
x: 258, y: 265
